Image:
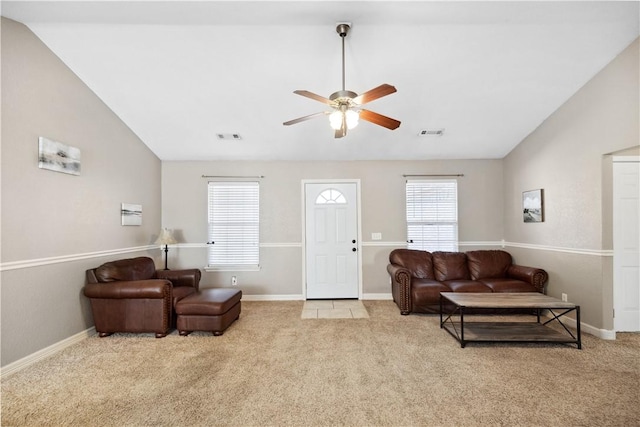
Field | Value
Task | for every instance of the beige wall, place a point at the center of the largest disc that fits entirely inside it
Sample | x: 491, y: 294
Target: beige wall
x: 184, y: 208
x: 567, y: 157
x: 47, y: 216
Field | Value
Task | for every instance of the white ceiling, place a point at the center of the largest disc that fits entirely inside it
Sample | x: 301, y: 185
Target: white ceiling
x: 180, y: 72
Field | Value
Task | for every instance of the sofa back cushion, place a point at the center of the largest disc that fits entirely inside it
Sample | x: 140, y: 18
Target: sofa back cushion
x: 141, y: 268
x: 419, y: 263
x: 488, y: 264
x: 450, y: 266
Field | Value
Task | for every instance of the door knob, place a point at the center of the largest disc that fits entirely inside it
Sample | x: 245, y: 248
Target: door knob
x: 353, y: 249
x: 353, y: 241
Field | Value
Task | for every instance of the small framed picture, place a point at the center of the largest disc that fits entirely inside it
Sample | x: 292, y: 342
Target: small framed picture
x: 131, y: 214
x: 58, y: 157
x: 532, y: 206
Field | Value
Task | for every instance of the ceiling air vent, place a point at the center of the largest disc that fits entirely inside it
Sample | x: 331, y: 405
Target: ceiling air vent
x: 431, y: 132
x: 228, y: 136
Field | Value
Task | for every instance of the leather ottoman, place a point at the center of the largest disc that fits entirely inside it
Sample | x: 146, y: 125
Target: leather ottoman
x: 212, y: 310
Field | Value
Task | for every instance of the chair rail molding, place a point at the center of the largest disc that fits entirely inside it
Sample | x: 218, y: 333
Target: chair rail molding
x: 30, y: 263
x: 578, y: 251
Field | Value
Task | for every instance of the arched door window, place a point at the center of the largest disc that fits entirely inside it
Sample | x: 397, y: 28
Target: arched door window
x: 331, y: 196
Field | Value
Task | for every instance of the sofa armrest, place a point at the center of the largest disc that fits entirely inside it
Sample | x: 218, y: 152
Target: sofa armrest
x: 400, y: 287
x: 537, y: 277
x: 152, y: 289
x: 189, y: 277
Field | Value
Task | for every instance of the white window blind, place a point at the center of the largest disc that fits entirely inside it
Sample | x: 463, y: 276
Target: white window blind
x: 432, y: 215
x: 234, y: 214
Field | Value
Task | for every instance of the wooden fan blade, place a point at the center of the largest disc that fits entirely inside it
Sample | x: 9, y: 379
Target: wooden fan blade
x: 305, y: 118
x: 375, y: 93
x: 314, y: 96
x: 379, y: 119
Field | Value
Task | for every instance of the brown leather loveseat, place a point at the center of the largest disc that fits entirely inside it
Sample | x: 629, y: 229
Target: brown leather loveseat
x: 130, y: 295
x: 418, y: 277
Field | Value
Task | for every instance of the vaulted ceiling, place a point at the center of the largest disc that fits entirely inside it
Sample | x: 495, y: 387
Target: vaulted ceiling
x: 179, y: 73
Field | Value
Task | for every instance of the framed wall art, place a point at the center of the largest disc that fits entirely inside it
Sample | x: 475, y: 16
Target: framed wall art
x: 533, y: 206
x: 131, y: 214
x: 58, y: 157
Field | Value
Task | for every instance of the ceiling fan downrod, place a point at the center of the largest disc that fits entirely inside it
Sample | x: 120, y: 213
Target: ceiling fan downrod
x: 343, y: 30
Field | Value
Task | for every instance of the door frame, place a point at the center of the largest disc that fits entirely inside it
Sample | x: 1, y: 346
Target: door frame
x: 616, y: 249
x: 303, y: 200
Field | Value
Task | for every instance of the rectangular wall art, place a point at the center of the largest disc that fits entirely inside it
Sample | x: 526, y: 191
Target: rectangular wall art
x: 532, y: 206
x: 131, y: 214
x: 58, y: 157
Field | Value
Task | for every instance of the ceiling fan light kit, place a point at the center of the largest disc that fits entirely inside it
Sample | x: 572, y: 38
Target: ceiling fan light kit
x: 346, y: 104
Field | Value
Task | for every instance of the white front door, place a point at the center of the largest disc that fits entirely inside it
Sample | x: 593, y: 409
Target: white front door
x: 626, y: 245
x: 331, y: 240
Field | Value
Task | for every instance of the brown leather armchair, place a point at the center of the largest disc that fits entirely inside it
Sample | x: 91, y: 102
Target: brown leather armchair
x: 130, y: 295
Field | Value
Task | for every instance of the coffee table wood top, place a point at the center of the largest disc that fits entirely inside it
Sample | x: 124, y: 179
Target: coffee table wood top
x: 505, y: 300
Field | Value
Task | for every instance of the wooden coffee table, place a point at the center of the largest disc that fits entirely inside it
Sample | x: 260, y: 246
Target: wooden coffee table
x: 457, y: 324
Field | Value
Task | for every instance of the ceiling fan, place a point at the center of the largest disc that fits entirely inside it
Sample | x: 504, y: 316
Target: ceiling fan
x: 346, y: 105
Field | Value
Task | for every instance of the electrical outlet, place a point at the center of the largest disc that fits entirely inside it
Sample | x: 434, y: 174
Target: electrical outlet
x: 234, y: 281
x: 564, y: 297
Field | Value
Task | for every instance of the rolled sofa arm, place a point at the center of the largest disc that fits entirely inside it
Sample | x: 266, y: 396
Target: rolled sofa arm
x: 189, y: 277
x: 537, y: 277
x: 152, y: 289
x: 400, y: 287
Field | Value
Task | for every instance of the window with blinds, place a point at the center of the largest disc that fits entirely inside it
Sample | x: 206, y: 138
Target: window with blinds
x: 432, y: 215
x: 234, y: 232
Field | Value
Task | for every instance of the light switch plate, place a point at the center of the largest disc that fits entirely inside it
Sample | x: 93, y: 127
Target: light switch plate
x: 376, y: 236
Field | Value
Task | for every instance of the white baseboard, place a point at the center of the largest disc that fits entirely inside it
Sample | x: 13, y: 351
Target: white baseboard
x: 377, y: 296
x: 18, y: 365
x: 299, y: 297
x: 604, y: 334
x: 292, y: 297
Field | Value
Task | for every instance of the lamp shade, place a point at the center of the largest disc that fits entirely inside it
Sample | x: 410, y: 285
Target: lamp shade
x: 166, y: 237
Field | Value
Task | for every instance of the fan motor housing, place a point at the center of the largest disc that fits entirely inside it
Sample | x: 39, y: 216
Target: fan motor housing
x: 343, y: 95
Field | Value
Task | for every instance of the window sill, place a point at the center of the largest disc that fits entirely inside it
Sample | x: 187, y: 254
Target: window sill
x: 233, y: 268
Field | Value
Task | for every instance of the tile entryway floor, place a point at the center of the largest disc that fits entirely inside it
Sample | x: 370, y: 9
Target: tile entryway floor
x: 334, y: 309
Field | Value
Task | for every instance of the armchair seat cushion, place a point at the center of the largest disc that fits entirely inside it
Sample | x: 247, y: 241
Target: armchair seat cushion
x: 181, y: 292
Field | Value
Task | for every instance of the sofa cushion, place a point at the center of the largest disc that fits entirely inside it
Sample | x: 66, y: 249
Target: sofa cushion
x: 141, y: 268
x: 508, y: 285
x: 491, y: 264
x: 419, y: 263
x: 467, y: 286
x: 450, y: 266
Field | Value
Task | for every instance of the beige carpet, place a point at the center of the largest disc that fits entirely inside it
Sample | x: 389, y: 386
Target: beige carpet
x: 273, y: 368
